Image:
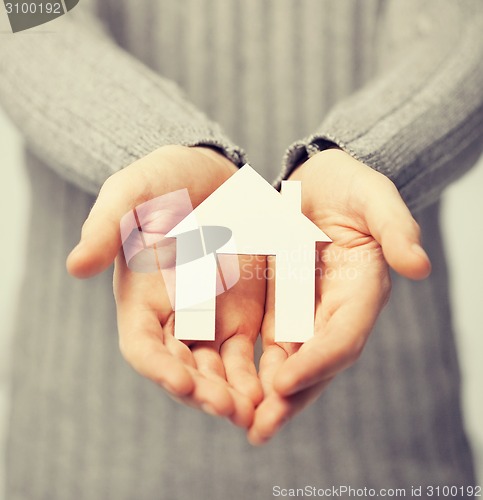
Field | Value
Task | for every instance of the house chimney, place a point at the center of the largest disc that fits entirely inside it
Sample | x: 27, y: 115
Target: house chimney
x: 292, y: 195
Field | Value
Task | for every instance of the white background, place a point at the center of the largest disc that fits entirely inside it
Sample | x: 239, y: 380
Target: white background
x: 464, y: 236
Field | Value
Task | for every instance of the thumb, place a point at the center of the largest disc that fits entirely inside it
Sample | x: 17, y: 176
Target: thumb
x: 392, y: 225
x: 100, y: 237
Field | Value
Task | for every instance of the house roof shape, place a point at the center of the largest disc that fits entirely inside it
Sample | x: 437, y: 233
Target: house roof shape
x: 263, y: 221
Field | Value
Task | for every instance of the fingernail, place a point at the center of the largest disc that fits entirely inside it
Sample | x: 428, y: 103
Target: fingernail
x: 206, y: 407
x: 418, y: 250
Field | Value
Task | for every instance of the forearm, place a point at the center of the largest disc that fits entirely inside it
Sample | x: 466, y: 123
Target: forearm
x: 88, y: 109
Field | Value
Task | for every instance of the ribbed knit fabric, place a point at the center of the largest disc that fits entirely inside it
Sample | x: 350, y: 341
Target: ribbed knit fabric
x: 423, y: 111
x: 83, y: 424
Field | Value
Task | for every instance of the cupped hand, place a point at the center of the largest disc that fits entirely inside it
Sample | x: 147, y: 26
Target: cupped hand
x: 370, y: 227
x: 218, y: 377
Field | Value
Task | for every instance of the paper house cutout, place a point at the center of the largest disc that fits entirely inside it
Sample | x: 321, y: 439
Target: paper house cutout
x: 146, y: 248
x: 262, y: 222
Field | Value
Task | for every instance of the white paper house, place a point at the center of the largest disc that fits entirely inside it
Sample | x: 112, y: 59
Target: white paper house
x: 263, y: 222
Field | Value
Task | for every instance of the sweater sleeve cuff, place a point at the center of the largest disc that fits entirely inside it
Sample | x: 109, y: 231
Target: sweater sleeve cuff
x: 302, y: 150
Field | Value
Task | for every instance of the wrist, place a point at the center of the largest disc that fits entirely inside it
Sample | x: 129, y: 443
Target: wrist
x: 325, y: 162
x: 217, y: 156
x: 333, y: 178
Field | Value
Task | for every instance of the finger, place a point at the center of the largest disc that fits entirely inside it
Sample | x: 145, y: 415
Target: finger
x: 244, y: 409
x: 217, y: 398
x: 228, y: 402
x: 178, y: 349
x: 100, y: 237
x: 140, y: 341
x: 275, y: 411
x: 212, y: 388
x: 271, y: 360
x: 237, y: 355
x: 392, y: 225
x: 144, y: 345
x: 208, y: 361
x: 210, y: 395
x: 203, y: 399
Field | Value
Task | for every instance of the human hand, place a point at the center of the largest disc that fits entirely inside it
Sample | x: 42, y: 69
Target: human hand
x: 218, y: 377
x: 370, y: 227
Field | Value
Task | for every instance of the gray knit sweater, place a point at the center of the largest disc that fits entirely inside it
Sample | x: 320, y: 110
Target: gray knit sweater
x: 396, y: 83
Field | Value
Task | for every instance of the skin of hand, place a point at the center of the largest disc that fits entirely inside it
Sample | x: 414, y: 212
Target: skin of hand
x: 217, y: 377
x: 371, y: 228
